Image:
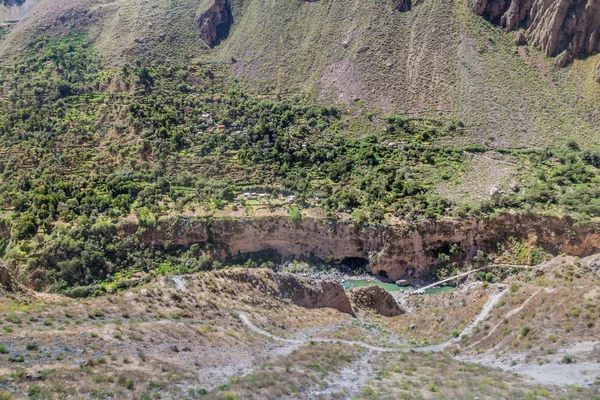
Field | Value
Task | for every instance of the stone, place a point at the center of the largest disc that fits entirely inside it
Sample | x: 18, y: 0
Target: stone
x: 310, y: 293
x: 563, y: 59
x: 520, y: 39
x: 374, y: 299
x: 402, y: 282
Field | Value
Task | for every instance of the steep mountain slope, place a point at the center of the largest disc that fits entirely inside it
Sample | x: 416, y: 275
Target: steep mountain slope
x: 121, y: 30
x: 438, y: 59
x: 122, y: 114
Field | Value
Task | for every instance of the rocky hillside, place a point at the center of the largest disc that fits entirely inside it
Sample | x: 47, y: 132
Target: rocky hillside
x: 554, y: 25
x: 431, y: 58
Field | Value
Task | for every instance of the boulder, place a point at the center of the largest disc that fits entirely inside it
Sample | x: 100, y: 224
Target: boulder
x: 402, y: 282
x: 564, y: 59
x: 374, y: 299
x: 520, y: 39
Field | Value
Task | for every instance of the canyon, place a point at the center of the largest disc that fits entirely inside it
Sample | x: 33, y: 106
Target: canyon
x: 392, y: 251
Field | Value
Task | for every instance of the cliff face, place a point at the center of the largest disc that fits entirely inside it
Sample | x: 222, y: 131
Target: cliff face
x: 309, y: 293
x: 373, y: 299
x: 554, y: 25
x: 303, y: 292
x: 396, y: 251
x: 210, y: 16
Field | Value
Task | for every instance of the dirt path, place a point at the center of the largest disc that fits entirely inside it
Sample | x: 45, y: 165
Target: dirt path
x: 508, y: 315
x: 485, y: 311
x: 468, y: 331
x: 246, y: 320
x: 553, y: 372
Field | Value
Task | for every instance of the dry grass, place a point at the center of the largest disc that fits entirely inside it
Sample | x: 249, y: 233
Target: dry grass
x: 160, y: 341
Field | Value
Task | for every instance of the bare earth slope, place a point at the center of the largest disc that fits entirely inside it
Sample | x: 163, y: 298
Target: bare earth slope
x: 229, y: 334
x: 439, y: 58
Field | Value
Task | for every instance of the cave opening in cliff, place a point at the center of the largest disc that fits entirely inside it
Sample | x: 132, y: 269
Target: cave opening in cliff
x: 356, y: 264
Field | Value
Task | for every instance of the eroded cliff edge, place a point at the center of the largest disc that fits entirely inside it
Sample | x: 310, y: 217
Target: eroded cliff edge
x: 395, y: 251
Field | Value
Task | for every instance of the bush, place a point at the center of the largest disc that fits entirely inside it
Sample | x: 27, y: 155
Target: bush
x: 567, y: 359
x: 295, y: 216
x: 32, y: 346
x: 6, y: 396
x: 525, y: 330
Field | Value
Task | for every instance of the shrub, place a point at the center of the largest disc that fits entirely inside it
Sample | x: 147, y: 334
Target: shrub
x: 575, y: 312
x: 525, y: 330
x: 295, y: 216
x: 32, y: 346
x: 6, y: 396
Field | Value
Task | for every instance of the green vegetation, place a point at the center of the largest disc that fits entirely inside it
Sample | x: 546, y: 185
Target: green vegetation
x: 85, y: 147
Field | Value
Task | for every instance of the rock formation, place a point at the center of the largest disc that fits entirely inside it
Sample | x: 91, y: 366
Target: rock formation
x: 396, y: 251
x: 554, y: 25
x: 303, y: 292
x: 373, y: 299
x: 210, y: 15
x: 403, y: 5
x: 8, y: 284
x: 310, y: 293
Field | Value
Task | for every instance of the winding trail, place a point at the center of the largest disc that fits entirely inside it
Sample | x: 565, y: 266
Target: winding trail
x: 246, y: 320
x: 485, y: 310
x: 508, y: 315
x: 553, y: 372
